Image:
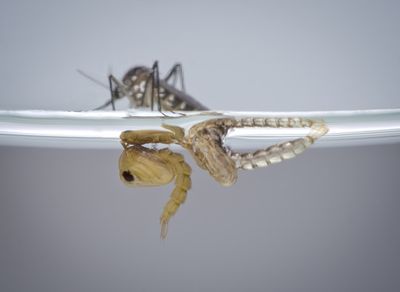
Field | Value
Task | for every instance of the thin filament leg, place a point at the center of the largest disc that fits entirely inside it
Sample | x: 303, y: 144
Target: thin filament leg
x: 111, y: 81
x: 148, y: 89
x: 156, y: 84
x: 176, y: 72
x: 111, y: 92
x: 155, y: 88
x: 114, y: 93
x: 108, y: 102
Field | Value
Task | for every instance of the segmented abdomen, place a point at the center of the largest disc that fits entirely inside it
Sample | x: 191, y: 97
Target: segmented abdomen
x: 275, y: 122
x: 178, y: 196
x: 282, y: 151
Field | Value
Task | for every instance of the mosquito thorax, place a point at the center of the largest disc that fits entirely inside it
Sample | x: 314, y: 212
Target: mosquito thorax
x: 135, y: 84
x: 136, y: 75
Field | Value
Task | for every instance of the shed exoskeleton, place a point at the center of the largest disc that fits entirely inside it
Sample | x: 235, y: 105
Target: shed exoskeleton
x: 141, y: 166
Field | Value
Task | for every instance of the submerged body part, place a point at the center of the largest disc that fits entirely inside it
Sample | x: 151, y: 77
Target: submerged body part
x: 204, y: 141
x: 282, y: 151
x: 141, y: 166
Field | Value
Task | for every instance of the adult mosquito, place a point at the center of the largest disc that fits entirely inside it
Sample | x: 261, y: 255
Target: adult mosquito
x: 144, y: 88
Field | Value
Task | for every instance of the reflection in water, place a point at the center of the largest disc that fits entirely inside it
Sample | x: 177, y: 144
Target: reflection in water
x: 141, y: 166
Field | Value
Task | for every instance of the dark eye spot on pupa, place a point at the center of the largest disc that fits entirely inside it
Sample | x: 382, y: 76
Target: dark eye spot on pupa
x: 128, y: 176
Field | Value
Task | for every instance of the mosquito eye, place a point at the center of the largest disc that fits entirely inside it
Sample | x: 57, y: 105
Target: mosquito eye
x: 128, y: 176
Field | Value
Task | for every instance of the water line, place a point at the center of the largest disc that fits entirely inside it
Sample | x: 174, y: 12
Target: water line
x: 101, y: 129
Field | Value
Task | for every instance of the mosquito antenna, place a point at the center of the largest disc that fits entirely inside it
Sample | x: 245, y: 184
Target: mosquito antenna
x: 92, y: 78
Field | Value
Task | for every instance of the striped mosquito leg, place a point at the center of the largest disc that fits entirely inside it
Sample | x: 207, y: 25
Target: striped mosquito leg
x: 282, y: 151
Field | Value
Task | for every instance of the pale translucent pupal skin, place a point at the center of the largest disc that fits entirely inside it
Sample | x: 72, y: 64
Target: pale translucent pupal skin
x: 282, y: 151
x: 204, y: 141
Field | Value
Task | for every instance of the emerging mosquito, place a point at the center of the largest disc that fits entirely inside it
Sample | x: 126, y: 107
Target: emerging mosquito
x: 143, y: 87
x: 140, y: 166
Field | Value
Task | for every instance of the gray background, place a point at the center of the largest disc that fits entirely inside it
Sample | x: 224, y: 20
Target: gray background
x: 325, y: 221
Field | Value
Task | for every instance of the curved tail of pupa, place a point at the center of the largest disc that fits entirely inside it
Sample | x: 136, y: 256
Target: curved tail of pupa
x: 178, y: 196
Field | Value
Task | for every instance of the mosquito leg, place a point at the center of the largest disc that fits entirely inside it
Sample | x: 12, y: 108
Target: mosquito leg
x: 108, y: 102
x: 111, y: 92
x: 156, y: 87
x: 110, y: 87
x: 148, y: 91
x: 176, y: 72
x: 114, y: 93
x: 84, y: 74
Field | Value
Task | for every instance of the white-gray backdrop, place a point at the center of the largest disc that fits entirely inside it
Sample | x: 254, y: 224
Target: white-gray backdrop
x: 325, y: 221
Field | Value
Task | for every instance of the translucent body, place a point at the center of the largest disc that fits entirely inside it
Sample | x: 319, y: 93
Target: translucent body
x: 282, y: 151
x: 205, y: 143
x: 140, y: 166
